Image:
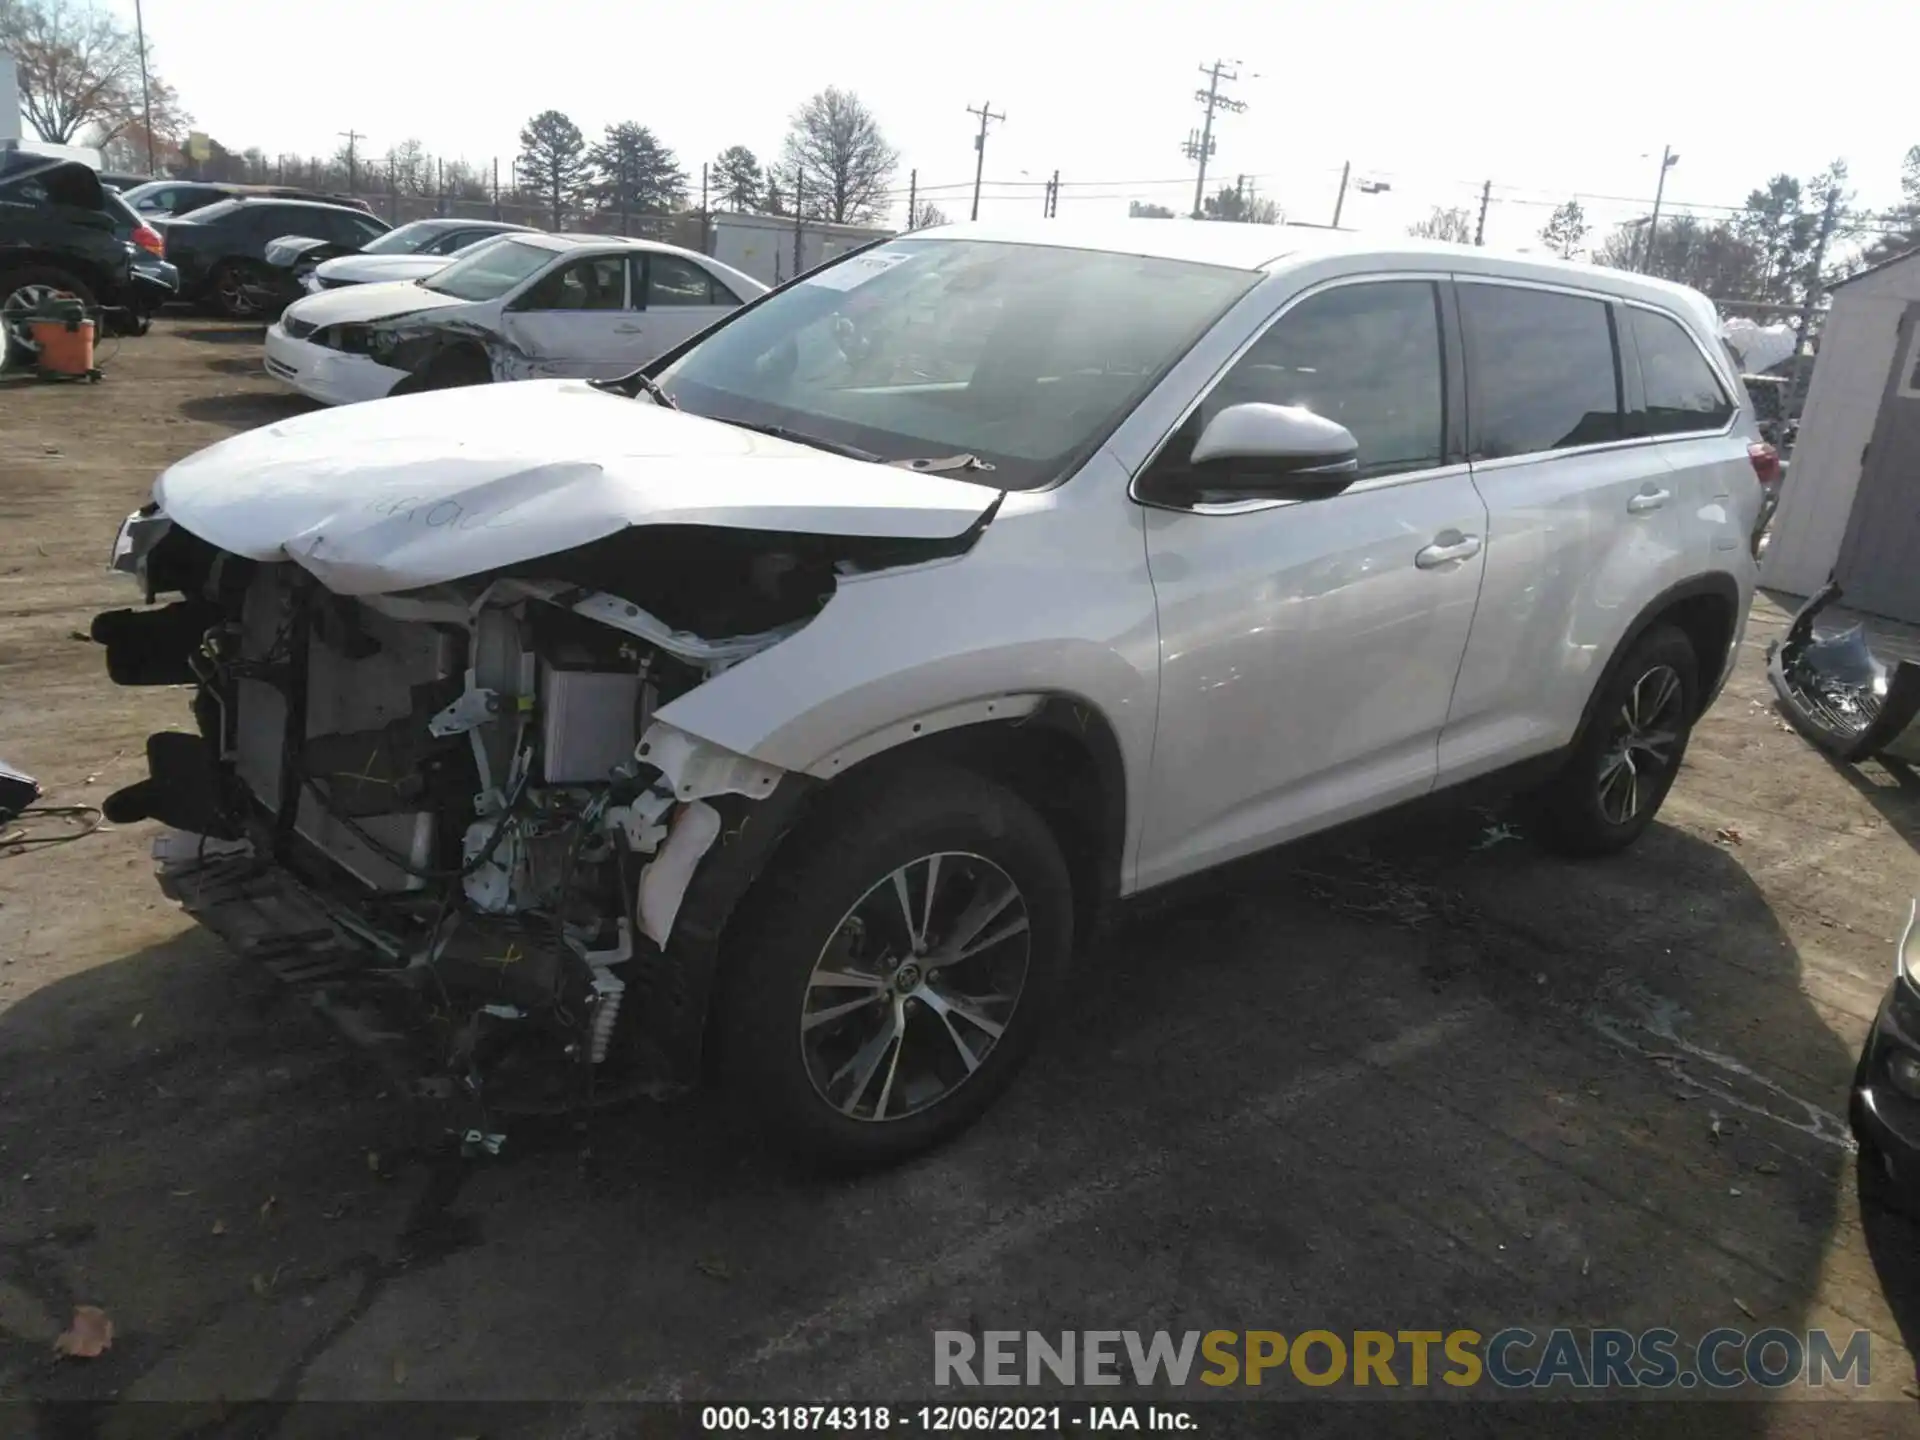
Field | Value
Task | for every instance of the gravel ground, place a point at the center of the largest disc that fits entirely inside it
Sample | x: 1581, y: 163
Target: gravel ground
x: 1423, y: 1086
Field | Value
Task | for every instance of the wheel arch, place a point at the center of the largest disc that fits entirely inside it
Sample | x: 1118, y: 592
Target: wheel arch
x: 79, y: 268
x: 1706, y: 609
x: 1058, y: 753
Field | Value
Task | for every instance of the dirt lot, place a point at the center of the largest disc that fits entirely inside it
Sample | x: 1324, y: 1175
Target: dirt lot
x: 1431, y: 1087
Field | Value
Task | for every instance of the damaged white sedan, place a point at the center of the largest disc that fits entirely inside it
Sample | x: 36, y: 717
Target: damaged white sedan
x: 524, y: 306
x: 794, y: 708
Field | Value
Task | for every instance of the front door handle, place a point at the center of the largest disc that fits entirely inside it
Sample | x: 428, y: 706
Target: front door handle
x: 1439, y: 553
x: 1648, y: 501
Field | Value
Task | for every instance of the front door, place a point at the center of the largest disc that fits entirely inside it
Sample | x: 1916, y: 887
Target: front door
x: 1308, y: 650
x: 575, y: 321
x: 1877, y: 567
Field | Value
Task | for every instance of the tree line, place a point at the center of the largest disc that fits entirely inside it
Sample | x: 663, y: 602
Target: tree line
x: 1762, y: 255
x: 79, y: 71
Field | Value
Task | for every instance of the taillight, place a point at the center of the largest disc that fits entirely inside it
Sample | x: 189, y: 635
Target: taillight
x: 148, y: 239
x: 1766, y: 463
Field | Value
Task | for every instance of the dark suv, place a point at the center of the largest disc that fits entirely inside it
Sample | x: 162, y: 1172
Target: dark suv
x: 221, y: 250
x: 56, y: 234
x: 182, y: 197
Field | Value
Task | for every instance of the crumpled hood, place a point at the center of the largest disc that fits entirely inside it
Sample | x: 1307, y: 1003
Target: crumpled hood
x: 402, y: 493
x: 358, y: 304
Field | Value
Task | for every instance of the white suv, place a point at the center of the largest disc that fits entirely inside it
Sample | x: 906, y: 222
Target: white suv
x: 800, y: 704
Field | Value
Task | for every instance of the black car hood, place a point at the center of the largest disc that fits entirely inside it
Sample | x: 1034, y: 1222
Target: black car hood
x: 289, y: 250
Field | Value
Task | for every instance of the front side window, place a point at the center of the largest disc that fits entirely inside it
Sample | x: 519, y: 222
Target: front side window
x: 1024, y: 355
x: 1683, y: 394
x: 1367, y: 356
x: 1542, y: 370
x: 599, y: 283
x: 491, y: 272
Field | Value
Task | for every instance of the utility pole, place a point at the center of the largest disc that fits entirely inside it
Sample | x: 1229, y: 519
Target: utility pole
x: 1480, y: 230
x: 1667, y: 161
x: 146, y: 103
x: 1340, y: 200
x: 913, y: 199
x: 1052, y: 207
x: 354, y: 137
x: 985, y: 112
x: 1213, y: 100
x: 1802, y: 351
x: 706, y: 224
x: 496, y: 187
x: 799, y: 197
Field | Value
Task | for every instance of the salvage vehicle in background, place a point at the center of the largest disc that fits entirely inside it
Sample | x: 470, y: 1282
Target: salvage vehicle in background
x: 292, y: 259
x: 57, y: 236
x: 801, y: 702
x: 159, y: 199
x: 154, y: 280
x: 522, y: 306
x: 221, y: 249
x: 370, y: 269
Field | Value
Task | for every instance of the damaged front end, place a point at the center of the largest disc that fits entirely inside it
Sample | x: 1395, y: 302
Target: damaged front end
x: 1839, y: 694
x: 450, y: 814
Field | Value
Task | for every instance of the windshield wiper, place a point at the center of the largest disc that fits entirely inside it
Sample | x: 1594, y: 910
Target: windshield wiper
x: 654, y: 391
x: 818, y: 442
x: 944, y: 465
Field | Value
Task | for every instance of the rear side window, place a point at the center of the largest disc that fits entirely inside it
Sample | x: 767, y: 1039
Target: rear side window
x: 1542, y: 371
x: 1683, y: 394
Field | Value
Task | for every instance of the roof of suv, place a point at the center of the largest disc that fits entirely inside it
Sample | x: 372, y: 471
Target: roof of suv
x: 1267, y: 247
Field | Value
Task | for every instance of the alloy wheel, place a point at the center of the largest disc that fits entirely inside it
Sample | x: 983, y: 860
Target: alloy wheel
x: 14, y: 311
x: 234, y: 300
x: 915, y: 986
x: 1642, y: 745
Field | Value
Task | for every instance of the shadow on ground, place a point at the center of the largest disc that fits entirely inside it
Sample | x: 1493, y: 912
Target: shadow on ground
x: 246, y: 410
x: 234, y: 333
x: 1426, y: 1085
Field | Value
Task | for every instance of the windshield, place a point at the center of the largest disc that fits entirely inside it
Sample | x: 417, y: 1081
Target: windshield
x: 1025, y: 355
x: 405, y: 239
x: 490, y: 272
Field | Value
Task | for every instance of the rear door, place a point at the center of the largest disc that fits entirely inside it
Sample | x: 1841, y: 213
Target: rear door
x: 677, y: 299
x: 575, y: 321
x: 1685, y: 403
x: 1584, y: 519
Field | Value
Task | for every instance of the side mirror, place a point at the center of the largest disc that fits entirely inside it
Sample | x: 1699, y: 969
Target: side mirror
x: 1275, y: 450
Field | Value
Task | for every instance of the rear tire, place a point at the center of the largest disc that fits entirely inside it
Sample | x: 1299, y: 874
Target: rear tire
x: 20, y: 291
x: 226, y: 292
x: 922, y: 1035
x: 1613, y: 784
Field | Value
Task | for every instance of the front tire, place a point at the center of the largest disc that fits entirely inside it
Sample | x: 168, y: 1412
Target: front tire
x: 1620, y: 771
x: 227, y: 292
x: 899, y: 968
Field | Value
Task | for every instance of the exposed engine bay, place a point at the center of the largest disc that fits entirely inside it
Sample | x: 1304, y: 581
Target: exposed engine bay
x: 450, y: 815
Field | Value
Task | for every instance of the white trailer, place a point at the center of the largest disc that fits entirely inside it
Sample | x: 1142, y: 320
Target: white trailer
x: 763, y: 245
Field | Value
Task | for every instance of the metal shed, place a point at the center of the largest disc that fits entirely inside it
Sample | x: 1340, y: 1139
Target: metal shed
x: 1851, y: 503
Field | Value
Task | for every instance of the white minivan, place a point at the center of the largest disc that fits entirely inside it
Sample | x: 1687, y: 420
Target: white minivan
x: 798, y: 705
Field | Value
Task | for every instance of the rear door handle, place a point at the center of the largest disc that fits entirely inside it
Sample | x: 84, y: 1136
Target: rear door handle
x: 1437, y: 554
x: 1647, y: 501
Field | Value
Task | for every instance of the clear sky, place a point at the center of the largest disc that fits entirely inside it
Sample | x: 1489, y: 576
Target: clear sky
x: 1549, y: 100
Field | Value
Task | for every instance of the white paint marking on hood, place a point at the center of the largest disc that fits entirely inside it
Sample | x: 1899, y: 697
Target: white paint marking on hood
x: 400, y: 494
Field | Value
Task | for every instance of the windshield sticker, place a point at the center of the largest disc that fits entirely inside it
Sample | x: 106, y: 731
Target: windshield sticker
x: 849, y: 274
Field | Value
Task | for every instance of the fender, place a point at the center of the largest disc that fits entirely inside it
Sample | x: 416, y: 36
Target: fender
x: 1716, y: 584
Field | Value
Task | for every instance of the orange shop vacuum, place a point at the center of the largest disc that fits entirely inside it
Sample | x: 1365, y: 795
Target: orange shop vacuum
x: 63, y: 334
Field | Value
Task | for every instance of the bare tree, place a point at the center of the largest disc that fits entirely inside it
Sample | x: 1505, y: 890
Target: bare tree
x: 926, y: 213
x: 1565, y: 229
x: 553, y: 163
x: 1455, y: 224
x: 1233, y: 203
x: 79, y: 71
x: 409, y: 169
x: 842, y: 162
x: 1144, y: 210
x: 1712, y: 258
